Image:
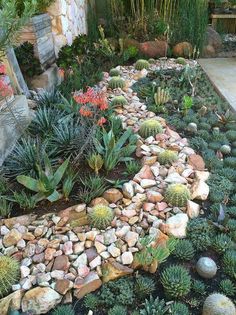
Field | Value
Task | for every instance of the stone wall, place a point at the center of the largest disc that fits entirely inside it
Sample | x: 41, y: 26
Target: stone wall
x: 68, y: 21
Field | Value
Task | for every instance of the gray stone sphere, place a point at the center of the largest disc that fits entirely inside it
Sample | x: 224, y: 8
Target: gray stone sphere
x: 206, y: 267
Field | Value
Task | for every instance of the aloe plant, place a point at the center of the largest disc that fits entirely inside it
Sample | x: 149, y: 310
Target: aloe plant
x: 46, y: 184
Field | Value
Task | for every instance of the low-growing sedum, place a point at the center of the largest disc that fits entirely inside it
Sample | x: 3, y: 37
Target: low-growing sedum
x: 177, y: 195
x: 221, y: 243
x: 200, y: 233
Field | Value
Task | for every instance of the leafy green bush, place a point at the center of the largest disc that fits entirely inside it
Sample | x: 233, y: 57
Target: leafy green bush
x: 176, y: 281
x: 184, y: 250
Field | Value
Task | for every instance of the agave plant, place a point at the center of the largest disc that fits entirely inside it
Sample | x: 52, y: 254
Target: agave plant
x: 47, y: 182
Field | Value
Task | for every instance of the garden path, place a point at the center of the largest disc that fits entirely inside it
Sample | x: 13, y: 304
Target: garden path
x: 222, y: 74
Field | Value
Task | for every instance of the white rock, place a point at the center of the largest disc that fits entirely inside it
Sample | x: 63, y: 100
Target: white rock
x: 58, y: 274
x: 99, y: 247
x: 113, y: 250
x: 200, y: 190
x: 202, y: 175
x: 147, y: 183
x: 175, y: 178
x: 95, y: 262
x: 121, y: 232
x: 4, y: 230
x: 193, y: 209
x: 80, y: 208
x: 176, y: 225
x: 127, y: 258
x: 25, y: 271
x: 131, y: 238
x: 128, y: 190
x: 82, y: 260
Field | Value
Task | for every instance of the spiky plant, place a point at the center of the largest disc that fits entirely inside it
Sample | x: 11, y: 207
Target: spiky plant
x: 93, y: 186
x: 218, y: 304
x: 5, y: 207
x: 132, y: 168
x: 142, y: 64
x: 227, y: 287
x: 116, y: 82
x: 228, y: 173
x: 221, y: 243
x: 200, y: 233
x: 231, y: 135
x: 154, y: 307
x: 167, y: 157
x: 144, y: 286
x: 178, y: 308
x: 161, y: 97
x: 229, y: 263
x: 232, y: 211
x: 230, y: 162
x: 91, y: 301
x: 176, y: 281
x: 177, y: 195
x: 114, y: 72
x: 184, y: 250
x: 64, y: 310
x: 150, y: 127
x: 231, y: 224
x: 118, y: 310
x: 119, y: 101
x: 199, y: 287
x: 9, y: 274
x: 95, y: 161
x: 101, y: 216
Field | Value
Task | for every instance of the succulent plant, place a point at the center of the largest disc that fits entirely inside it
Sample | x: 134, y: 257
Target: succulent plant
x: 154, y: 307
x: 9, y: 274
x: 167, y: 157
x: 101, y: 216
x: 176, y: 281
x: 192, y: 127
x: 119, y: 101
x: 200, y: 233
x: 151, y: 60
x: 162, y: 96
x: 229, y: 263
x: 230, y: 162
x: 64, y: 310
x: 228, y: 173
x: 218, y: 304
x: 116, y: 82
x: 118, y: 310
x: 181, y: 61
x: 177, y: 195
x: 199, y: 287
x: 91, y: 301
x: 150, y: 127
x: 232, y: 211
x: 227, y: 287
x: 184, y: 250
x: 231, y: 224
x: 144, y: 286
x: 206, y: 267
x: 221, y: 243
x: 95, y: 161
x: 225, y: 149
x: 178, y: 308
x: 114, y: 72
x: 142, y: 64
x: 231, y: 135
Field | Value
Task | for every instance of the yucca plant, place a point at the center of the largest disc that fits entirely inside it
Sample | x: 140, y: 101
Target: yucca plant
x: 46, y: 184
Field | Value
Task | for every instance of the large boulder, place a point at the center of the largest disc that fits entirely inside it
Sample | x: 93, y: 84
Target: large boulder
x: 213, y: 43
x: 13, y: 301
x: 154, y: 49
x: 183, y: 49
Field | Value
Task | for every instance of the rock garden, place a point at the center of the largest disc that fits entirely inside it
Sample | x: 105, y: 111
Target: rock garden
x: 119, y: 197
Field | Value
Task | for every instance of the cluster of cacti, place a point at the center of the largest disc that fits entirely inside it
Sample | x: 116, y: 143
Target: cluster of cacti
x: 142, y: 64
x: 101, y: 216
x: 114, y: 72
x: 184, y: 250
x: 95, y: 161
x: 162, y: 96
x: 218, y: 304
x: 176, y: 281
x: 177, y: 195
x: 119, y: 101
x: 9, y: 274
x: 167, y: 157
x: 116, y: 82
x: 144, y: 286
x: 64, y: 310
x: 150, y: 127
x: 151, y: 60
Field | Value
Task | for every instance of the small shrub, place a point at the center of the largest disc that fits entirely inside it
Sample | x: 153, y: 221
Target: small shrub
x: 177, y: 195
x: 184, y: 250
x: 176, y: 281
x: 9, y: 274
x: 144, y: 286
x: 150, y: 127
x: 227, y: 287
x: 5, y: 207
x: 101, y: 216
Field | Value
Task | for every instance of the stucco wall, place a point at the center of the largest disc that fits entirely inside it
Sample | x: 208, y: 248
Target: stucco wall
x: 68, y: 21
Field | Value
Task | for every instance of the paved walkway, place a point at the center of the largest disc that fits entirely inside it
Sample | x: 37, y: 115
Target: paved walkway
x: 222, y: 73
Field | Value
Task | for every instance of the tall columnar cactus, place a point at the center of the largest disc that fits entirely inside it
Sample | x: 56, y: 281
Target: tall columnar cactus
x: 9, y: 274
x: 116, y: 82
x: 218, y: 304
x: 162, y: 96
x: 101, y: 216
x: 150, y: 127
x: 177, y: 195
x: 167, y: 157
x: 142, y: 64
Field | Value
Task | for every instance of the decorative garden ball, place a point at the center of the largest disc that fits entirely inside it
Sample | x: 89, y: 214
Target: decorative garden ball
x: 206, y: 267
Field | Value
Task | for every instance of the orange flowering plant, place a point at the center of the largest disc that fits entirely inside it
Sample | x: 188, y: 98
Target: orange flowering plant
x: 93, y: 104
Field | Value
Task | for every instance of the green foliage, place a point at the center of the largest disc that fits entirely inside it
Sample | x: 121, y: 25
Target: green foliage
x: 93, y: 186
x: 229, y: 263
x: 150, y: 127
x: 230, y: 162
x: 161, y: 97
x: 198, y: 144
x: 95, y: 162
x: 39, y: 9
x: 187, y: 104
x: 220, y: 187
x: 232, y: 211
x: 154, y: 307
x: 142, y: 64
x: 132, y: 168
x: 176, y: 281
x: 9, y: 274
x: 200, y: 233
x: 24, y: 200
x: 228, y: 173
x: 101, y: 216
x: 178, y: 308
x: 119, y: 101
x: 29, y: 64
x: 167, y: 157
x: 199, y: 287
x: 144, y: 286
x: 64, y: 310
x: 5, y: 207
x: 118, y: 310
x: 114, y: 72
x: 115, y: 151
x: 177, y: 195
x: 70, y: 178
x: 47, y: 182
x: 184, y: 250
x: 4, y: 185
x: 231, y: 135
x: 116, y: 82
x: 227, y: 287
x: 221, y: 243
x: 91, y: 302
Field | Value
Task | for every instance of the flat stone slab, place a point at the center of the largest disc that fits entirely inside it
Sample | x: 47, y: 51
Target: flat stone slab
x: 222, y: 74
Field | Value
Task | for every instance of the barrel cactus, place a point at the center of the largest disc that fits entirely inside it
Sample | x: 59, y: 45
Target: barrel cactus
x: 218, y: 304
x: 116, y: 82
x: 101, y: 216
x: 177, y: 195
x: 206, y: 267
x: 167, y: 157
x: 9, y: 274
x: 114, y: 72
x: 150, y: 127
x: 142, y: 64
x: 119, y: 101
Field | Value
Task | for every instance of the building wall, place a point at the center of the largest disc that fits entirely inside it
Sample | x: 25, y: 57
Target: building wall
x: 68, y: 21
